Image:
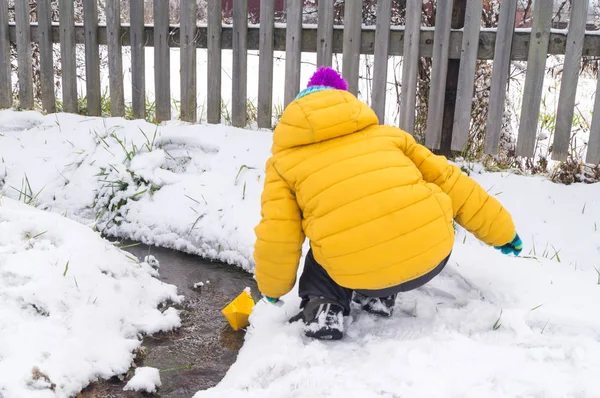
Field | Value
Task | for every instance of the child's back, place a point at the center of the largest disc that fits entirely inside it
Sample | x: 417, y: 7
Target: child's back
x: 377, y: 207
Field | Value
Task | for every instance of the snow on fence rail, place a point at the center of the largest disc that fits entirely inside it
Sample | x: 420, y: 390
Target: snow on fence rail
x: 443, y: 44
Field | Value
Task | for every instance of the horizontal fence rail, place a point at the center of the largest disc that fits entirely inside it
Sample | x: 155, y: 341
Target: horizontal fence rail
x: 440, y: 44
x: 487, y: 40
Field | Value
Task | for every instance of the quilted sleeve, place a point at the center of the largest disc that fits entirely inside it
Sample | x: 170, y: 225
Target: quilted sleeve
x: 473, y: 208
x: 279, y: 237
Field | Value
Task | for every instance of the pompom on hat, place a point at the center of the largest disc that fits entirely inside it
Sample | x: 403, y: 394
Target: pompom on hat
x: 325, y: 78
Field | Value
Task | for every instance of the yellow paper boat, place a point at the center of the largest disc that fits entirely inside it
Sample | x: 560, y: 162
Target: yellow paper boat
x: 238, y: 311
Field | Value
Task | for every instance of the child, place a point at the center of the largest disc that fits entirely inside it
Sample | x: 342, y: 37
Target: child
x: 376, y: 206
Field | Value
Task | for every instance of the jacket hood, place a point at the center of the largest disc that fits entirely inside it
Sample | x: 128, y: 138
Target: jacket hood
x: 321, y: 116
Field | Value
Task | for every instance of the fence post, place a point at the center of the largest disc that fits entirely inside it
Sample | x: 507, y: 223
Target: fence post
x: 380, y: 66
x: 92, y: 58
x: 213, y: 106
x: 352, y: 38
x: 570, y: 76
x: 325, y: 33
x: 162, y: 61
x: 500, y: 73
x: 239, y: 98
x: 534, y: 77
x: 115, y: 57
x: 138, y: 59
x: 187, y: 39
x: 458, y: 22
x: 293, y: 48
x: 67, y: 55
x: 439, y: 70
x: 410, y: 65
x: 5, y: 81
x: 24, y: 55
x: 46, y: 55
x: 265, y: 64
x: 466, y: 75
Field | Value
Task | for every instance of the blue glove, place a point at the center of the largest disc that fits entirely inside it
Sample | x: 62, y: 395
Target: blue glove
x: 515, y: 246
x: 271, y: 300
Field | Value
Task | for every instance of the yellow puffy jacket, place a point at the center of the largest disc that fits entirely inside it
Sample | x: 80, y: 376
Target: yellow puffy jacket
x: 376, y: 206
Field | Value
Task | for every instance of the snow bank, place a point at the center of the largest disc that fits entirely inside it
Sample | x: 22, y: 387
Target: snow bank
x: 191, y: 188
x: 489, y: 325
x: 72, y: 305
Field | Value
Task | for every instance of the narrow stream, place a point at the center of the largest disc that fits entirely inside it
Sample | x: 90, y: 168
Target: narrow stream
x: 198, y: 355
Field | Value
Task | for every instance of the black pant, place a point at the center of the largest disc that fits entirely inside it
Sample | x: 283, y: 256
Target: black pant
x: 315, y: 281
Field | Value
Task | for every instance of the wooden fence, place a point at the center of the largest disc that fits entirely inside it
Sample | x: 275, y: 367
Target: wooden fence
x: 443, y: 44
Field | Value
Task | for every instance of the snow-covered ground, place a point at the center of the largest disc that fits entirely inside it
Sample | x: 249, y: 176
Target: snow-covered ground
x: 489, y: 325
x: 72, y: 305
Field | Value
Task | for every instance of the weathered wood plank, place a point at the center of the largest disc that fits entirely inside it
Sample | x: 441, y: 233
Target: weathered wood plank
x: 188, y: 60
x: 44, y: 14
x: 67, y: 55
x: 265, y: 64
x: 441, y: 42
x: 570, y: 78
x: 325, y: 33
x: 500, y: 71
x: 213, y: 106
x: 92, y: 58
x: 138, y: 59
x: 534, y: 78
x: 115, y: 58
x: 240, y: 63
x: 380, y: 66
x: 162, y: 61
x: 352, y: 41
x: 293, y: 50
x: 5, y: 80
x: 593, y: 149
x: 487, y: 40
x: 410, y: 65
x: 25, y: 71
x: 466, y: 75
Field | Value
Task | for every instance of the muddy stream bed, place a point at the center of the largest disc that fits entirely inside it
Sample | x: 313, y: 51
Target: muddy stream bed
x: 197, y: 355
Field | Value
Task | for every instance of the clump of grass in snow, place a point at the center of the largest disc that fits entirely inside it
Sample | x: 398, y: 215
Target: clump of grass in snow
x: 194, y: 200
x: 242, y: 168
x: 149, y: 144
x: 120, y: 184
x: 225, y: 115
x: 26, y: 194
x: 129, y: 152
x: 200, y: 217
x: 549, y: 254
x: 497, y: 325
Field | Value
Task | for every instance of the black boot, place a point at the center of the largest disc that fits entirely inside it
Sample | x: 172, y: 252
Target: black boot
x: 323, y: 318
x: 382, y: 306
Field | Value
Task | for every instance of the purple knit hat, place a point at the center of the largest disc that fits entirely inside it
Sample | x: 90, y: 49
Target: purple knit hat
x: 325, y: 78
x: 328, y: 77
